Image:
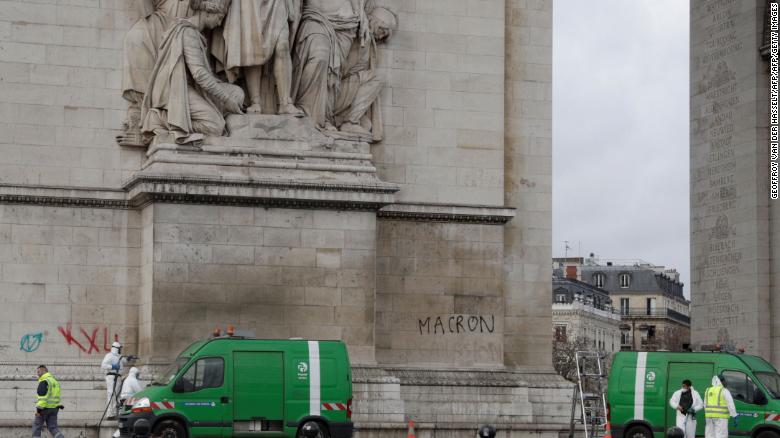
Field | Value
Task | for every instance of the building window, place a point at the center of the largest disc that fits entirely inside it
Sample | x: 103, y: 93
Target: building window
x: 560, y: 333
x: 625, y: 280
x: 651, y: 333
x: 560, y: 298
x: 651, y: 306
x: 624, y: 303
x: 598, y: 280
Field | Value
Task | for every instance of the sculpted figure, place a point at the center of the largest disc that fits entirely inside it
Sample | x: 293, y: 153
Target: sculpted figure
x: 140, y: 53
x: 254, y: 33
x: 324, y: 39
x: 357, y: 107
x: 185, y: 98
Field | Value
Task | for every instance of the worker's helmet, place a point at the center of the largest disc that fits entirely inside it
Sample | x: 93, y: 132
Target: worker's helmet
x: 675, y: 432
x: 310, y: 429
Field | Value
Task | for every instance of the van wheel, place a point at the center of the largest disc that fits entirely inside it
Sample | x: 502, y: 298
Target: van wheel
x: 169, y: 429
x: 322, y: 434
x: 767, y: 434
x: 638, y: 432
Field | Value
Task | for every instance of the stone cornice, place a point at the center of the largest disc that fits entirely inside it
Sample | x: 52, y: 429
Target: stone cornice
x: 63, y: 196
x: 383, y: 188
x: 447, y: 213
x: 144, y: 189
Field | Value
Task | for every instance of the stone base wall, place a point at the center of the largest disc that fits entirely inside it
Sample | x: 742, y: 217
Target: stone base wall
x: 441, y: 403
x: 424, y: 430
x: 550, y: 396
x: 83, y: 391
x: 18, y: 429
x: 71, y: 429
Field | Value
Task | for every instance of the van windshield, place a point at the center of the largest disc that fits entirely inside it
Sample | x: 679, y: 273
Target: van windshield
x: 771, y: 381
x: 166, y: 376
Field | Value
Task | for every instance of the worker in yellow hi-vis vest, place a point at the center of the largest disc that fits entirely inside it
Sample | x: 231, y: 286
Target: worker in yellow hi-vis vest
x: 718, y: 409
x: 48, y: 404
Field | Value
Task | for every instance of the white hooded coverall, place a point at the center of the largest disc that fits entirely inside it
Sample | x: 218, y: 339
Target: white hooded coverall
x: 112, y: 363
x: 687, y: 422
x: 719, y: 427
x: 131, y: 385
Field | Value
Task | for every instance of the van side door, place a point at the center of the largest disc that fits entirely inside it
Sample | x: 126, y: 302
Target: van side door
x: 199, y: 396
x: 258, y: 386
x: 700, y: 374
x: 743, y: 391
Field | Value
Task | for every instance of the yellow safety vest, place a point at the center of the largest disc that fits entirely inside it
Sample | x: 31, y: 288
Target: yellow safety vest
x: 716, y: 403
x: 52, y: 397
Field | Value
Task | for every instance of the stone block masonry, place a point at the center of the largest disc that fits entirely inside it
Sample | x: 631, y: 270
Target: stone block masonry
x: 69, y: 281
x: 439, y: 294
x: 427, y: 253
x: 279, y: 273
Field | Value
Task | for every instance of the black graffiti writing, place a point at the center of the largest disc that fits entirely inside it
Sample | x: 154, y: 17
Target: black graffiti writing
x: 456, y: 324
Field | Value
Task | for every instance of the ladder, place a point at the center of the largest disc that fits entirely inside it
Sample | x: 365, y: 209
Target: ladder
x: 589, y: 394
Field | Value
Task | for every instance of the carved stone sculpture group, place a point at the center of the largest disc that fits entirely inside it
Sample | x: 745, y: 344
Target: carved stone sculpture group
x: 188, y: 63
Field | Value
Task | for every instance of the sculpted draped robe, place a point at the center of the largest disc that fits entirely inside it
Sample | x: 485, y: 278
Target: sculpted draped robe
x: 358, y: 98
x: 321, y: 47
x: 143, y: 40
x: 182, y: 88
x: 250, y: 32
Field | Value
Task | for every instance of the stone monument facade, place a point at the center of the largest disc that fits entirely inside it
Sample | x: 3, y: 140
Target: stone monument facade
x: 375, y: 171
x: 733, y: 225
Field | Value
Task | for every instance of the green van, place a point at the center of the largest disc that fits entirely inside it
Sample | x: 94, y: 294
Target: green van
x: 237, y: 387
x: 641, y: 384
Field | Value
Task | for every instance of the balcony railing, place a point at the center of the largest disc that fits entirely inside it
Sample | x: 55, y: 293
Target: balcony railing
x: 656, y: 313
x: 604, y: 311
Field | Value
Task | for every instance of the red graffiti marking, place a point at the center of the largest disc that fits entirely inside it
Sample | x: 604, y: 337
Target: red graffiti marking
x: 66, y: 332
x: 91, y: 339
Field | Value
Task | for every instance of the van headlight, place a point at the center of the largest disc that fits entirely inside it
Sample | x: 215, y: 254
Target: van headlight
x: 141, y: 405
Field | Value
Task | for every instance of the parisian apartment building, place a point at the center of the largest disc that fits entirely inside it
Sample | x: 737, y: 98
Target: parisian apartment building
x: 654, y: 312
x: 584, y: 315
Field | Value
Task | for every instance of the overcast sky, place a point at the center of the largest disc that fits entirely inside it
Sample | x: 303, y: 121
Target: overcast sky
x: 620, y: 130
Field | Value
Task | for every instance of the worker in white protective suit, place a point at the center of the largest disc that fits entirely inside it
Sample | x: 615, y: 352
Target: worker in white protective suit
x: 718, y: 409
x: 131, y: 385
x: 687, y: 401
x: 112, y: 364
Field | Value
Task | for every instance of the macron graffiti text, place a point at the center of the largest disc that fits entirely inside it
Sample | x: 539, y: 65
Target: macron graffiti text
x: 457, y: 324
